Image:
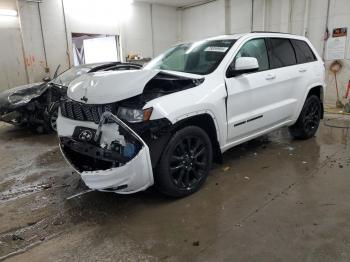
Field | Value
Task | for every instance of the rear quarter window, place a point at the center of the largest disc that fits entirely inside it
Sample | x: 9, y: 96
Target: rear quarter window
x: 281, y: 52
x: 303, y: 52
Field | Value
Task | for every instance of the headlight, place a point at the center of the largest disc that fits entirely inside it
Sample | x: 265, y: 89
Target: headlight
x: 134, y: 115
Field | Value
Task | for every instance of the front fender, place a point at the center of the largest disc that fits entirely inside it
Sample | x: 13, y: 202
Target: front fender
x: 195, y: 101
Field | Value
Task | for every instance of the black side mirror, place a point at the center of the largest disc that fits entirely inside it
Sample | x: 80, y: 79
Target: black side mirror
x: 231, y: 72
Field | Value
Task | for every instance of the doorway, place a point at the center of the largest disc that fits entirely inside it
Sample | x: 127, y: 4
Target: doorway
x: 94, y: 48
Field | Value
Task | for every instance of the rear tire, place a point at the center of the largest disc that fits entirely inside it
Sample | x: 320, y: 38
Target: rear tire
x: 185, y: 162
x: 309, y: 119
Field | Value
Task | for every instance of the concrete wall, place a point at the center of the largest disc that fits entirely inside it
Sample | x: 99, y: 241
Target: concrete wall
x: 150, y: 29
x: 137, y: 31
x: 143, y: 28
x: 235, y: 16
x: 203, y: 21
x: 165, y: 27
x: 12, y: 68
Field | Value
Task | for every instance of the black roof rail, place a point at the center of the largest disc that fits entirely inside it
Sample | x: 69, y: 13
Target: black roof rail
x: 272, y: 32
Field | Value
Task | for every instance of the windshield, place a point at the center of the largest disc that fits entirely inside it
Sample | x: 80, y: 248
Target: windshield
x: 69, y: 75
x: 201, y: 57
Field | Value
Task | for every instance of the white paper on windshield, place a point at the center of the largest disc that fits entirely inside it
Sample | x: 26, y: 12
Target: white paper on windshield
x: 221, y: 49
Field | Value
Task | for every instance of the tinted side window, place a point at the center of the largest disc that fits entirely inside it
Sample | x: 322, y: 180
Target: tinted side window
x: 281, y: 53
x: 255, y: 48
x: 303, y: 52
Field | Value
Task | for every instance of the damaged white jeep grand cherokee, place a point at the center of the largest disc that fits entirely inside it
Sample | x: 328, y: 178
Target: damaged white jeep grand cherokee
x: 163, y: 125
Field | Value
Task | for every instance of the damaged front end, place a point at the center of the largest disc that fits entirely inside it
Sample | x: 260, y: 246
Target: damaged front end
x: 109, y: 156
x: 106, y: 131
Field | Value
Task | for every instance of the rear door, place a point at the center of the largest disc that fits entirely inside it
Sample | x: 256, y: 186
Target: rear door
x: 275, y: 102
x: 308, y: 69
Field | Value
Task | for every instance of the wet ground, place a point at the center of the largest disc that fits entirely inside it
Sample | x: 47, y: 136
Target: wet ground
x: 273, y: 199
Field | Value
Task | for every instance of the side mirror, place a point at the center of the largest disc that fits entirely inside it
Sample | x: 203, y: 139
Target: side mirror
x: 243, y: 65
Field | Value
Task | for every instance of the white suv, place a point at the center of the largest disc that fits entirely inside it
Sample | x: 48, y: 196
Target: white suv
x: 163, y: 125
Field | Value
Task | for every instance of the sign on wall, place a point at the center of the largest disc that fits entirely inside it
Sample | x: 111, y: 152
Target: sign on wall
x: 340, y: 31
x: 336, y: 48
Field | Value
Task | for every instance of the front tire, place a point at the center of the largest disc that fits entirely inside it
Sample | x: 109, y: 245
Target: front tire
x: 50, y: 125
x: 309, y: 119
x: 185, y: 162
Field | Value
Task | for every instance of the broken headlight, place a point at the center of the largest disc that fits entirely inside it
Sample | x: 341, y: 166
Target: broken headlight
x: 134, y: 115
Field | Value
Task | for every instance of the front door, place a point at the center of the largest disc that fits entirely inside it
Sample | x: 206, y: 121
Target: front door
x: 242, y: 113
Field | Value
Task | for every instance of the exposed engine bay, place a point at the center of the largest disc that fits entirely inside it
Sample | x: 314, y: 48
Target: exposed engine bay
x: 110, y: 145
x: 99, y: 152
x: 100, y: 141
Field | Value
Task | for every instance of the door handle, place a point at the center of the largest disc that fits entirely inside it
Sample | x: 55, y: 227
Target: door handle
x: 302, y: 70
x: 270, y: 77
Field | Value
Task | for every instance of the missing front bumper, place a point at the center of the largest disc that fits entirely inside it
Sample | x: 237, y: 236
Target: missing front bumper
x: 115, y: 158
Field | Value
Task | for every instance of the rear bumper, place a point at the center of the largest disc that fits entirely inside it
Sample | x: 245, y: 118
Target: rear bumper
x: 125, y: 177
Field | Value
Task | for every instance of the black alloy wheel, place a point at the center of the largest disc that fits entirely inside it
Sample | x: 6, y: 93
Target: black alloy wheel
x: 309, y: 119
x: 186, y: 162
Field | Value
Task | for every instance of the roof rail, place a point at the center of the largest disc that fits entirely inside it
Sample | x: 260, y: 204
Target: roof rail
x: 272, y: 32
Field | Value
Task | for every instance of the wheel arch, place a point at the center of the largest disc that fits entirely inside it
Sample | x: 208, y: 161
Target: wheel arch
x: 317, y: 90
x: 206, y: 122
x: 314, y: 89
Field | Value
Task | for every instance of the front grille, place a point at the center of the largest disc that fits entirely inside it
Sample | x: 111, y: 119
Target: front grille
x: 84, y: 112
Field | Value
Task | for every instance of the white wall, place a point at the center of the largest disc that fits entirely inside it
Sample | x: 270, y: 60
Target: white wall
x: 165, y: 27
x: 339, y: 17
x: 53, y: 33
x: 149, y: 29
x: 32, y: 38
x: 144, y: 28
x: 12, y: 69
x: 203, y: 21
x: 240, y: 16
x: 137, y: 31
x: 234, y: 16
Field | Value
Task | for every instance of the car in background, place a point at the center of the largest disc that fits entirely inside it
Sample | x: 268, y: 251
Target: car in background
x: 35, y: 105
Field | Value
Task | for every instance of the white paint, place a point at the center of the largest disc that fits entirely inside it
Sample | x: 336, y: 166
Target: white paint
x: 108, y: 87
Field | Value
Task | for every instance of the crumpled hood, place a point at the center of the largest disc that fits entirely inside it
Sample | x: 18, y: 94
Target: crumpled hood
x: 108, y: 87
x: 21, y: 95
